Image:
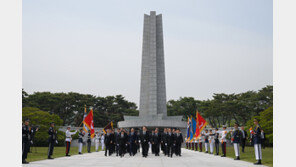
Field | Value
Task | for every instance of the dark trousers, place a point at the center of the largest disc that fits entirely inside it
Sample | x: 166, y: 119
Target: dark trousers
x: 50, y: 148
x: 121, y: 149
x: 153, y: 148
x: 178, y: 149
x: 223, y: 145
x: 156, y: 149
x: 200, y: 146
x: 117, y: 149
x: 132, y: 149
x: 217, y: 147
x: 170, y: 150
x: 145, y: 147
x: 25, y: 148
x: 68, y: 144
x: 108, y: 148
x: 88, y: 146
x: 243, y: 145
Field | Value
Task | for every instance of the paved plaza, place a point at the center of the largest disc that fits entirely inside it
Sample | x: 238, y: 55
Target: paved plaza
x: 188, y: 159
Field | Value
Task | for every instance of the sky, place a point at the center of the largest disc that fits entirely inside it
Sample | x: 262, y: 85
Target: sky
x: 95, y: 46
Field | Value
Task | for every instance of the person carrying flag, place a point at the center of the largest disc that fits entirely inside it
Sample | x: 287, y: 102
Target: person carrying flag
x: 69, y: 139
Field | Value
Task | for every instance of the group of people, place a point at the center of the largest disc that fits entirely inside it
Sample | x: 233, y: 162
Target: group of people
x: 169, y: 141
x: 213, y: 139
x: 124, y: 142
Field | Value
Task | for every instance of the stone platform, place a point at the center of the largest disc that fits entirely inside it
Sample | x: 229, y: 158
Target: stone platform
x: 189, y: 158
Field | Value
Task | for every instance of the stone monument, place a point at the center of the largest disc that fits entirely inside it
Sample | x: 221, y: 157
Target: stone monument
x: 153, y: 110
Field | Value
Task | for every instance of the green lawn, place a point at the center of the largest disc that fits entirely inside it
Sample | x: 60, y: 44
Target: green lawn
x: 249, y: 155
x: 40, y: 153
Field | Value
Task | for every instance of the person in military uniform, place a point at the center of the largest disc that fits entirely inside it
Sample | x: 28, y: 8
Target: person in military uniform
x: 88, y: 141
x: 145, y: 142
x: 102, y: 141
x: 26, y: 138
x: 195, y: 144
x: 156, y: 140
x: 178, y: 141
x: 257, y: 140
x: 244, y: 138
x: 223, y: 141
x: 52, y: 139
x: 235, y: 139
x: 211, y: 141
x: 80, y: 141
x: 69, y: 139
x: 97, y: 141
x: 206, y: 138
x: 170, y: 143
x: 200, y: 143
x: 121, y: 143
x: 108, y: 142
x: 216, y: 138
x: 132, y: 140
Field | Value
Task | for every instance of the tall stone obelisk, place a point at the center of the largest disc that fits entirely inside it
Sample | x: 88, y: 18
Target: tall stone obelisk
x: 153, y: 110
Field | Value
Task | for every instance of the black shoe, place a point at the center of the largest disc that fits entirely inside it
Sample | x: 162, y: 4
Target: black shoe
x: 49, y: 157
x: 237, y: 158
x: 68, y: 155
x: 223, y: 156
x: 24, y: 162
x: 258, y: 162
x: 106, y: 155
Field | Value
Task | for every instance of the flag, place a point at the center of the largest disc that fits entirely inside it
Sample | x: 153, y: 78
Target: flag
x: 109, y: 126
x: 200, y: 124
x: 193, y: 128
x: 89, y: 122
x: 188, y: 129
x: 84, y: 126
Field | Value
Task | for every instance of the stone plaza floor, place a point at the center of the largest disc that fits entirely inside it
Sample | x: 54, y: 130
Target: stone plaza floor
x: 188, y: 158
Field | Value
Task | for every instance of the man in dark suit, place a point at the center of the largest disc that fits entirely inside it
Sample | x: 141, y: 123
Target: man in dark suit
x: 108, y: 142
x: 170, y: 143
x: 116, y: 137
x: 178, y: 142
x: 122, y: 143
x: 156, y: 139
x: 145, y: 138
x: 132, y: 140
x: 163, y: 141
x: 244, y: 138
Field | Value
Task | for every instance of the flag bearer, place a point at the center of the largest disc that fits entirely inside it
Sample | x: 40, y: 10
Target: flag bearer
x: 200, y: 144
x: 80, y: 141
x: 223, y: 141
x: 206, y: 137
x: 195, y: 144
x: 69, y: 139
x: 235, y: 139
x: 88, y: 141
x: 257, y: 140
x: 211, y: 141
x: 216, y: 138
x: 51, y: 140
x: 97, y: 141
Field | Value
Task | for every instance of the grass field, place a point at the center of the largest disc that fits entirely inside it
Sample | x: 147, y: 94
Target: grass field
x: 40, y: 153
x: 249, y: 155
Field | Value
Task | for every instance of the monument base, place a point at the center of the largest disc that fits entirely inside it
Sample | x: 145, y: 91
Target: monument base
x: 149, y: 122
